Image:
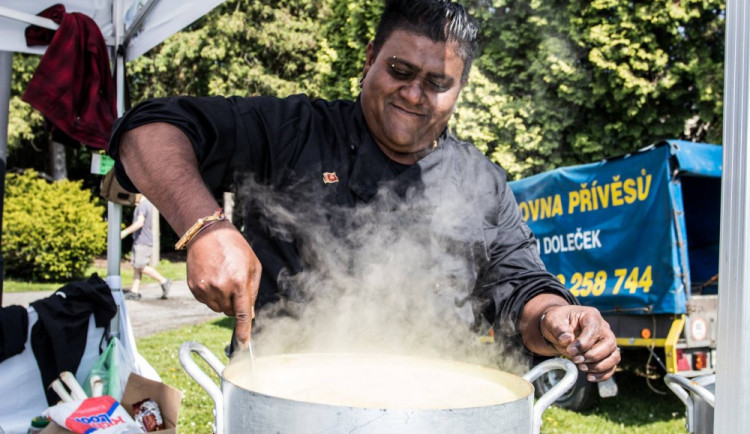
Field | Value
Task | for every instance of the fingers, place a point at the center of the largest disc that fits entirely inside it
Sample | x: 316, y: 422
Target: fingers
x: 557, y: 333
x: 224, y: 274
x: 244, y: 310
x: 539, y: 324
x: 590, y: 327
x: 582, y: 334
x: 600, y: 360
x: 556, y: 328
x: 603, y: 369
x: 595, y: 348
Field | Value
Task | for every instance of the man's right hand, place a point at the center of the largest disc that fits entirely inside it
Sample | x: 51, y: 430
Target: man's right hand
x: 224, y: 273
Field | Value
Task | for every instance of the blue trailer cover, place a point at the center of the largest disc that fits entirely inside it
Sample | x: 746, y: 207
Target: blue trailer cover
x: 613, y: 231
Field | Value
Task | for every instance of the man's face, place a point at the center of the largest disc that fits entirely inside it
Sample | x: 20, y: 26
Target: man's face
x: 409, y: 93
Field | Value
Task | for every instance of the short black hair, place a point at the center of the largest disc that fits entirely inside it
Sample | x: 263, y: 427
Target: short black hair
x: 439, y: 20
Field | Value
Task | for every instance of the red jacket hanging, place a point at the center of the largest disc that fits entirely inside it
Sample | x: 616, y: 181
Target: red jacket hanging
x: 73, y: 86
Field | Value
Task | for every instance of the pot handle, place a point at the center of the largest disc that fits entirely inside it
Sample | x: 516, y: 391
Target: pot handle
x: 204, y: 380
x: 681, y: 386
x: 544, y: 401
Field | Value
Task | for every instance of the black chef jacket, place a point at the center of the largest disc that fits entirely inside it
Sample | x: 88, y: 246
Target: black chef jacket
x: 297, y: 144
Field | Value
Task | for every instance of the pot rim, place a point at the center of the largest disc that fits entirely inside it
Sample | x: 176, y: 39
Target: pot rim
x: 521, y: 388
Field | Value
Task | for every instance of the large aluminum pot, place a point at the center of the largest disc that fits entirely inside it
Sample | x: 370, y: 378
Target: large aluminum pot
x: 698, y: 396
x: 241, y: 410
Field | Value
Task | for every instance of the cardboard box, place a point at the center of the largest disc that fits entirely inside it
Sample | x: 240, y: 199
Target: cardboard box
x: 137, y: 389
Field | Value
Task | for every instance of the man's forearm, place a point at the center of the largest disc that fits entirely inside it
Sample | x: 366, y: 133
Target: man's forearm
x: 160, y: 161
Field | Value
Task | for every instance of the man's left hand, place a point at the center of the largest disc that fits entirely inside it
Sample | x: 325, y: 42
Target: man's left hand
x: 581, y: 333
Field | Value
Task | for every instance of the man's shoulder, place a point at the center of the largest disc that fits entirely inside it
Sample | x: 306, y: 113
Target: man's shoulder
x: 465, y: 153
x: 463, y: 147
x: 300, y: 101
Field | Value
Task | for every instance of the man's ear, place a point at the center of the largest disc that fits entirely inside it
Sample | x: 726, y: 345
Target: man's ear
x: 370, y: 58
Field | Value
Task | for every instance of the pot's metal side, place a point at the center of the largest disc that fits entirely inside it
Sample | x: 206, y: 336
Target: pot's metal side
x: 284, y: 416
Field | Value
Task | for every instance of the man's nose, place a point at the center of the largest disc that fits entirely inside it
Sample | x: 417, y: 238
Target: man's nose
x: 412, y: 91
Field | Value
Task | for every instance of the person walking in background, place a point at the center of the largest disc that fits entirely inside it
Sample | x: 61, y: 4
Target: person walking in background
x: 143, y: 240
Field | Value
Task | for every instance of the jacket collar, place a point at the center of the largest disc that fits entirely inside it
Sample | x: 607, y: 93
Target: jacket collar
x: 372, y: 167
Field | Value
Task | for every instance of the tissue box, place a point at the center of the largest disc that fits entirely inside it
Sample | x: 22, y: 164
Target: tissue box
x: 137, y: 389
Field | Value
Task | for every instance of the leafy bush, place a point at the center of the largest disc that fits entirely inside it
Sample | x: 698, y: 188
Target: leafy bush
x: 51, y: 231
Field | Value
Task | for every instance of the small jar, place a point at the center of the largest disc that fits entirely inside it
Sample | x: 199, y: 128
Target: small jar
x: 37, y: 424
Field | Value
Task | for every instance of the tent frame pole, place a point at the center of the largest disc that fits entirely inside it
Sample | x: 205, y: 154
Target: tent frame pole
x: 139, y: 18
x: 733, y: 340
x: 114, y: 210
x: 6, y: 73
x: 28, y: 18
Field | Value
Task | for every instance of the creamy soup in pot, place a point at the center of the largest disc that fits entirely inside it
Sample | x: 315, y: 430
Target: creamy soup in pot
x: 377, y: 381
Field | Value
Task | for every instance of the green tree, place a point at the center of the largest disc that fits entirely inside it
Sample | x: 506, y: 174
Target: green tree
x: 565, y: 83
x: 350, y: 29
x: 244, y: 47
x: 27, y: 140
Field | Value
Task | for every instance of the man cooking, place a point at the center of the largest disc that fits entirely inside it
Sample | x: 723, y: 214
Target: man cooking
x: 392, y: 141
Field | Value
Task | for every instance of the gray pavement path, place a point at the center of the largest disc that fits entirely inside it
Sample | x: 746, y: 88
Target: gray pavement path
x: 150, y: 314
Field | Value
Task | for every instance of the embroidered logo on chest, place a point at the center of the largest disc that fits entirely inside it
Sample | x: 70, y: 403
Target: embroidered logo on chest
x: 330, y: 177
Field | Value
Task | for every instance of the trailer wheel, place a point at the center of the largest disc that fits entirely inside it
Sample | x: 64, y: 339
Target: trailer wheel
x: 582, y: 396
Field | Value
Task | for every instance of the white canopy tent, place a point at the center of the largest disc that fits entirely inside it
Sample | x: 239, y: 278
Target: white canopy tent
x: 139, y: 25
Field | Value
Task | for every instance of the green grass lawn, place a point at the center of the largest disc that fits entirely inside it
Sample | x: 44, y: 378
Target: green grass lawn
x: 637, y: 409
x: 170, y: 269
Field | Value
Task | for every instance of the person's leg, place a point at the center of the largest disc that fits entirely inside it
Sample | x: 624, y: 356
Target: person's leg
x: 135, y: 293
x: 137, y: 274
x: 152, y: 273
x: 163, y: 281
x: 140, y: 260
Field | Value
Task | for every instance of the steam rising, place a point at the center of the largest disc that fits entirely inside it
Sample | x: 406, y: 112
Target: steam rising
x: 386, y: 277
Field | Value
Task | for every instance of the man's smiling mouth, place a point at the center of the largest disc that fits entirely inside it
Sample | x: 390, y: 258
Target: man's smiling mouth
x: 406, y: 111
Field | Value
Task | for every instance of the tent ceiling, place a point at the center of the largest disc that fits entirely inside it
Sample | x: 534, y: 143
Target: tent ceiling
x: 164, y: 18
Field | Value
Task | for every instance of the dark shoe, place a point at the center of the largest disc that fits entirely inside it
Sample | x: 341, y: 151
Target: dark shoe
x: 165, y: 289
x: 130, y: 295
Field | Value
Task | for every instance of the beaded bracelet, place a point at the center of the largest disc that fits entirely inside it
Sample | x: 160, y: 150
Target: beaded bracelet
x: 201, y: 224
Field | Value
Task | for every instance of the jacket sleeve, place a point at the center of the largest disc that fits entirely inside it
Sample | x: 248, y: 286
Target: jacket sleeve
x: 515, y: 273
x: 260, y: 135
x: 210, y: 123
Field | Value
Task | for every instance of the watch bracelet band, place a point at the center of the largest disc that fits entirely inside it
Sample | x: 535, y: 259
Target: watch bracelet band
x: 199, y: 225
